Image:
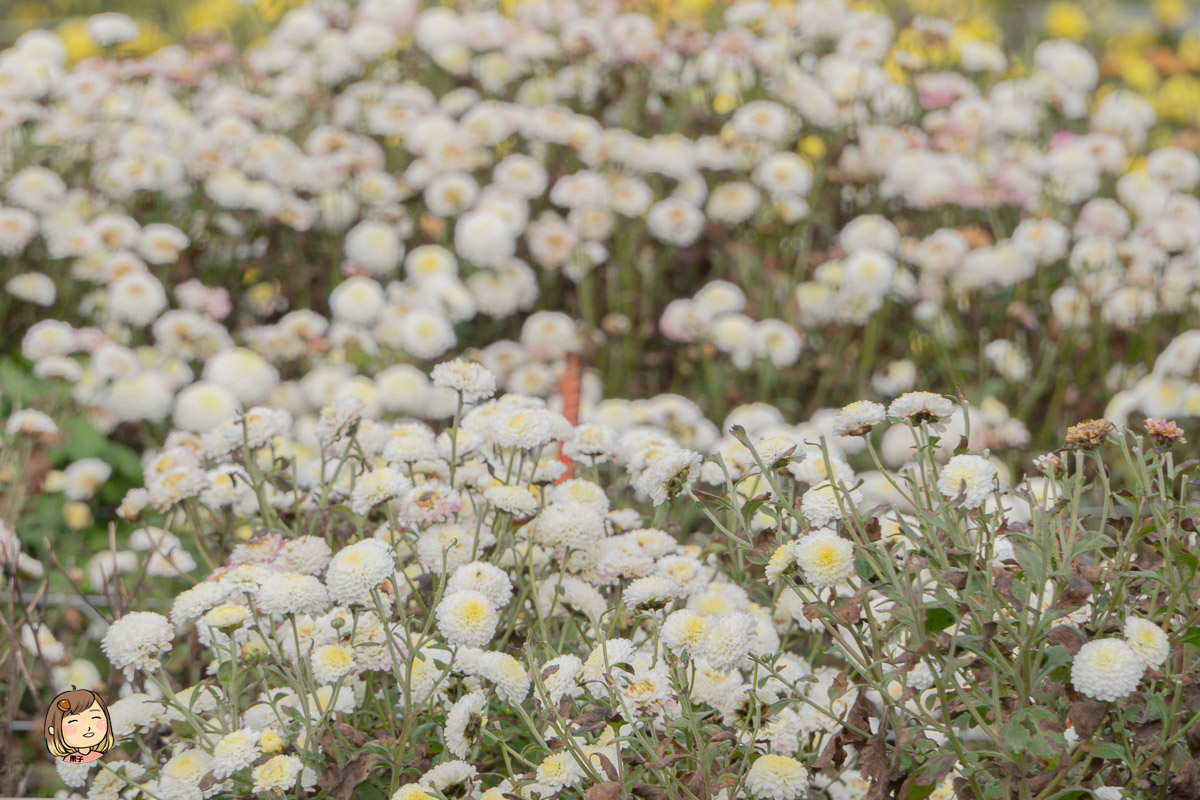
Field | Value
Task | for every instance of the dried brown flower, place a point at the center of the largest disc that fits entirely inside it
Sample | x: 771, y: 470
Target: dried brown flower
x: 1089, y: 434
x: 1164, y: 431
x: 1050, y: 462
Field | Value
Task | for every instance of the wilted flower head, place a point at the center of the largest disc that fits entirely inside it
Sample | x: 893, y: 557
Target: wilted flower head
x: 1164, y: 431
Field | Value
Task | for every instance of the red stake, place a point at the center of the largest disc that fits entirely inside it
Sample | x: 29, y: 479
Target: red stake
x: 570, y: 397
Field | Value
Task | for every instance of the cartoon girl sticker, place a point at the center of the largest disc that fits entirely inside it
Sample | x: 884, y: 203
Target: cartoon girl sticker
x: 77, y: 726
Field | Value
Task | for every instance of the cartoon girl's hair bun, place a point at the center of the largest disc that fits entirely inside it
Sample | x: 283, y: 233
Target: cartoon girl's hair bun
x: 64, y: 704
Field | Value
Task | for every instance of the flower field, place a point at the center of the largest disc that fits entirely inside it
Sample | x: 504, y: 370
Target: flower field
x: 598, y: 400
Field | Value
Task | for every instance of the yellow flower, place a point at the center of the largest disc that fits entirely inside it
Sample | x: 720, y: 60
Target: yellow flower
x: 1139, y: 73
x: 150, y: 39
x: 1171, y: 13
x: 79, y: 45
x: 813, y: 147
x: 724, y: 102
x: 270, y: 741
x: 272, y: 10
x: 1065, y: 20
x: 211, y: 14
x: 1178, y: 98
x: 77, y: 515
x: 1189, y: 48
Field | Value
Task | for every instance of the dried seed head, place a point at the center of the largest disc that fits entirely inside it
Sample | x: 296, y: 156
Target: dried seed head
x: 1089, y: 434
x: 1164, y: 431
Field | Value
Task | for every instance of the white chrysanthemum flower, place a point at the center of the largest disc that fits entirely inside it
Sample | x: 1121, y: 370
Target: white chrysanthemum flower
x: 73, y: 774
x: 375, y: 487
x: 973, y: 476
x: 669, y: 475
x: 474, y: 381
x: 568, y: 524
x: 359, y: 300
x: 277, y: 773
x: 1148, y: 641
x: 487, y: 579
x: 484, y: 238
x: 136, y: 299
x: 858, y: 418
x: 111, y: 28
x: 509, y: 676
x: 288, y: 593
x: 358, y: 569
x: 686, y: 630
x: 375, y: 246
x: 449, y: 773
x: 245, y: 374
x: 591, y: 443
x: 820, y: 504
x: 467, y: 618
x: 729, y: 640
x: 653, y: 591
x: 136, y: 640
x: 919, y: 407
x: 783, y: 559
x: 331, y: 661
x: 526, y: 428
x: 235, y: 751
x: 515, y: 500
x: 605, y: 656
x: 560, y: 677
x: 825, y: 558
x: 109, y: 782
x: 32, y: 287
x: 557, y: 772
x: 30, y: 422
x: 413, y: 791
x: 776, y: 777
x: 1106, y: 669
x: 463, y: 722
x: 181, y: 775
x: 203, y: 406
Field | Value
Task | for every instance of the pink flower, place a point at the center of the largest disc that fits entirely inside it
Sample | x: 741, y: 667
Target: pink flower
x: 429, y: 503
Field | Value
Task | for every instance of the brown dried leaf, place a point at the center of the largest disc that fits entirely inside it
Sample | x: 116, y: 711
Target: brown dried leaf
x: 833, y: 752
x: 608, y: 767
x: 592, y: 720
x: 873, y: 530
x: 608, y: 790
x: 651, y: 792
x: 1066, y: 636
x: 1085, y: 716
x: 851, y: 611
x: 957, y: 579
x: 342, y: 782
x: 1185, y: 778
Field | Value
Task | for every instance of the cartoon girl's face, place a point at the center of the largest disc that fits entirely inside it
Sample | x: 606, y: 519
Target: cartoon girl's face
x: 85, y: 729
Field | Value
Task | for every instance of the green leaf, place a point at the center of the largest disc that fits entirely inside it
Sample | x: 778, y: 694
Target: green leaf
x: 919, y: 791
x: 1106, y: 750
x: 1184, y: 556
x: 18, y: 383
x: 84, y: 441
x: 1191, y: 636
x: 937, y: 619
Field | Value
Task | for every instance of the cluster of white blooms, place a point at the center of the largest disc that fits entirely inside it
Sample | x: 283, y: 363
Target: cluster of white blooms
x: 715, y: 314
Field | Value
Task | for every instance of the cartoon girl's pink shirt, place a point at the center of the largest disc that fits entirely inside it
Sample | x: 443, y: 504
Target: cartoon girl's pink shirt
x: 75, y: 758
